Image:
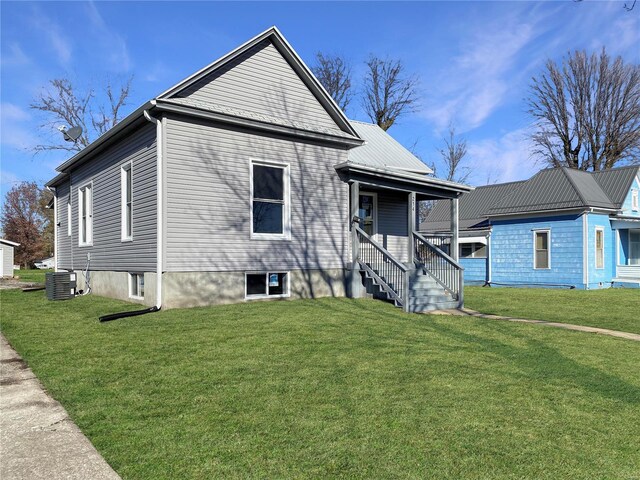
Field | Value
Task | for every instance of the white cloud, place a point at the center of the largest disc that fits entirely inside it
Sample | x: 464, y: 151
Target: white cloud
x: 56, y: 39
x: 12, y: 132
x: 504, y: 159
x: 477, y: 81
x: 113, y: 44
x: 15, y: 56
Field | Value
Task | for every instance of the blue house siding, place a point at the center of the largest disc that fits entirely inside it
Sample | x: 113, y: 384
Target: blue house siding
x: 600, y: 277
x: 512, y: 251
x: 626, y: 206
x: 475, y: 270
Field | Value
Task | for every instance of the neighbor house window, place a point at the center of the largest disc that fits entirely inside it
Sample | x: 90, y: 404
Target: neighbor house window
x: 541, y: 249
x: 270, y: 216
x: 634, y: 200
x: 634, y: 247
x: 269, y: 284
x: 473, y: 250
x: 85, y: 214
x: 126, y: 189
x: 69, y: 216
x: 599, y: 248
x: 136, y: 285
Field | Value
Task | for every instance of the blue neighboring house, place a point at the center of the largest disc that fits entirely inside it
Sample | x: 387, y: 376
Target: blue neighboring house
x: 562, y: 227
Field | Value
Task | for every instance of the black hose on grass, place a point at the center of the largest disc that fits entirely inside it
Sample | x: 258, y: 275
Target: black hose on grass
x: 134, y: 313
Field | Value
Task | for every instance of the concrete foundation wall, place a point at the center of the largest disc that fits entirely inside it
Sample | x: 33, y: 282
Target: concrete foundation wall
x: 192, y: 289
x: 116, y: 285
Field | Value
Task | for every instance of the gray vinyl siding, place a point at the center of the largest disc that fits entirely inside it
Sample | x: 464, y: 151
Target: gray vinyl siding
x: 208, y: 202
x: 108, y: 252
x: 261, y: 81
x: 64, y: 250
x: 392, y: 223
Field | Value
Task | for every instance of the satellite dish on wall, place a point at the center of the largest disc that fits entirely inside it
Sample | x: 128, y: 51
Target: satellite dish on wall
x: 73, y: 134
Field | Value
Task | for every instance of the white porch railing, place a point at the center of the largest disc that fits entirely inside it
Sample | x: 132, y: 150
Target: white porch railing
x: 628, y: 271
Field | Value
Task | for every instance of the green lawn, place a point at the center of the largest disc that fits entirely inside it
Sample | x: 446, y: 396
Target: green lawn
x: 35, y: 275
x: 333, y: 388
x: 613, y: 308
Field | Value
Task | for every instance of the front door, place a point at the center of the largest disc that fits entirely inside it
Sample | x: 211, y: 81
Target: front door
x: 368, y: 212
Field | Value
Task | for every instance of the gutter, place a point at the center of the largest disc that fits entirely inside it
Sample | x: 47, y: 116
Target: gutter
x: 423, y: 180
x: 159, y: 203
x: 120, y: 126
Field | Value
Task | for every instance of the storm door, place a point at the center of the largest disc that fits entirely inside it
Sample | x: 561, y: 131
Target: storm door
x: 368, y: 212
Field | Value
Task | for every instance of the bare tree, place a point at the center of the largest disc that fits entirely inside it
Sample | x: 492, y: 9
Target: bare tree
x: 334, y: 73
x: 587, y: 112
x: 453, y: 154
x: 388, y: 93
x: 63, y: 105
x: 24, y: 221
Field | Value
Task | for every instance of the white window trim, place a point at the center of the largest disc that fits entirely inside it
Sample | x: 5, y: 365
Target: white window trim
x: 123, y: 199
x: 131, y: 277
x: 542, y: 230
x: 69, y: 215
x: 634, y: 200
x: 266, y: 295
x: 89, y: 229
x: 286, y: 221
x: 595, y: 248
x: 375, y: 209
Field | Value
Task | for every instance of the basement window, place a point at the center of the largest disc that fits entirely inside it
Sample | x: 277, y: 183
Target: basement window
x: 136, y: 285
x: 267, y: 284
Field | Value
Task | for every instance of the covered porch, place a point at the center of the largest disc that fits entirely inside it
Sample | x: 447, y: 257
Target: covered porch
x: 386, y: 248
x: 627, y: 251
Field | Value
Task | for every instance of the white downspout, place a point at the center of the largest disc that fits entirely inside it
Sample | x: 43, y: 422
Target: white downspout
x: 159, y: 201
x: 55, y: 228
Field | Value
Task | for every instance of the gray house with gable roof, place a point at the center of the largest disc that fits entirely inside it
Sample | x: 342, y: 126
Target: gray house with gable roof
x: 246, y: 181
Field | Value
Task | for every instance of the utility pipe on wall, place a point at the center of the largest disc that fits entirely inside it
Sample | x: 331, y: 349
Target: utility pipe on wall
x: 159, y: 203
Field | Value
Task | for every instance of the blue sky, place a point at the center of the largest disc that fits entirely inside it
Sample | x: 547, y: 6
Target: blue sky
x: 474, y: 60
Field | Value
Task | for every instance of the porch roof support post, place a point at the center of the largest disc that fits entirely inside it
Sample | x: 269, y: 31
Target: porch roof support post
x: 355, y: 288
x: 454, y: 230
x: 354, y: 189
x: 411, y: 227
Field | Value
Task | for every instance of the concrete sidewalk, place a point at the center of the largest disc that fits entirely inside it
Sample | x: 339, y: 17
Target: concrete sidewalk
x: 567, y: 326
x: 38, y: 440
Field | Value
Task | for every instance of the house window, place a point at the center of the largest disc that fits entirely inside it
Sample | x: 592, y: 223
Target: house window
x: 69, y: 216
x: 136, y: 285
x: 634, y: 200
x: 541, y: 249
x: 126, y: 189
x: 85, y: 215
x: 270, y: 216
x: 269, y: 284
x: 599, y: 248
x: 473, y: 250
x: 634, y: 247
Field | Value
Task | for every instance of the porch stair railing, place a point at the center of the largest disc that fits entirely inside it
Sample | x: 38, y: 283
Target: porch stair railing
x: 383, y: 268
x: 444, y: 269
